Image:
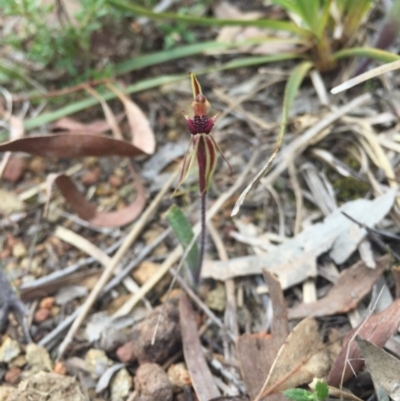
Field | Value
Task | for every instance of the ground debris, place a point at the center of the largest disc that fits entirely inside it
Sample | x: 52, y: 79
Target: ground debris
x: 167, y: 341
x: 45, y: 387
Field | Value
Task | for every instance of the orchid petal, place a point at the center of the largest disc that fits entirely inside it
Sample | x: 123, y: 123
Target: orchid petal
x: 196, y: 87
x: 220, y: 152
x: 207, y: 161
x: 187, y: 162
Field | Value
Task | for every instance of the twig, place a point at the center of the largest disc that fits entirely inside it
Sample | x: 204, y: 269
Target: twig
x: 298, y: 196
x: 136, y: 230
x: 374, y: 237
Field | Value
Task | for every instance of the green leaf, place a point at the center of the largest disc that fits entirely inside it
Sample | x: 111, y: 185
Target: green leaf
x: 262, y: 23
x: 298, y: 394
x: 370, y: 52
x: 189, y: 50
x: 183, y: 231
x: 168, y: 55
x: 291, y: 89
x: 321, y: 390
x: 288, y: 5
x: 309, y: 13
x: 323, y: 20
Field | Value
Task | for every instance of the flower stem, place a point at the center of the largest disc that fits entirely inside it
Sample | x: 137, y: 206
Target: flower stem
x: 203, y: 208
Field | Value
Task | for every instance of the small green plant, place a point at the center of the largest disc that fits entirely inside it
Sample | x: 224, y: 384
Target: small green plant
x: 320, y: 393
x: 179, y: 32
x: 52, y: 38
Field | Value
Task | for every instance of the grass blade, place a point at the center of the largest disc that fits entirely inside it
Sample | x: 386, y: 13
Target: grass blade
x: 370, y: 52
x: 183, y: 231
x: 205, y: 21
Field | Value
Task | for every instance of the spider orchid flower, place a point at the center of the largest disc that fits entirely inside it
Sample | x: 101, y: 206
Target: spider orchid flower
x: 205, y: 149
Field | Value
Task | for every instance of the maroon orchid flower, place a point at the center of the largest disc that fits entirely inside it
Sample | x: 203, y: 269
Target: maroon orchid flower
x: 204, y: 146
x: 206, y: 150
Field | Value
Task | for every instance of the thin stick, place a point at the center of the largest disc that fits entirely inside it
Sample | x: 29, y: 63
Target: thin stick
x: 136, y: 230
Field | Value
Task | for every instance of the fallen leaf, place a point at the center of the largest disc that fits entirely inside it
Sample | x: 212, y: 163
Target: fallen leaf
x: 377, y: 329
x: 295, y: 260
x: 142, y: 134
x: 94, y: 127
x: 352, y: 285
x: 202, y: 379
x: 16, y: 132
x: 88, y: 211
x: 383, y: 367
x: 302, y: 357
x: 257, y: 352
x: 111, y: 119
x: 280, y: 324
x: 14, y: 168
x: 71, y: 145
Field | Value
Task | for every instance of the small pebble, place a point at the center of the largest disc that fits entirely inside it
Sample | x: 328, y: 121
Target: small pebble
x: 179, y: 377
x: 37, y: 165
x: 19, y: 250
x: 47, y: 303
x: 38, y: 358
x: 97, y: 362
x: 13, y: 375
x: 14, y: 169
x: 120, y: 385
x: 60, y: 368
x: 152, y: 384
x: 9, y: 349
x: 125, y: 353
x: 115, y: 181
x: 18, y: 362
x: 41, y: 315
x: 91, y: 177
